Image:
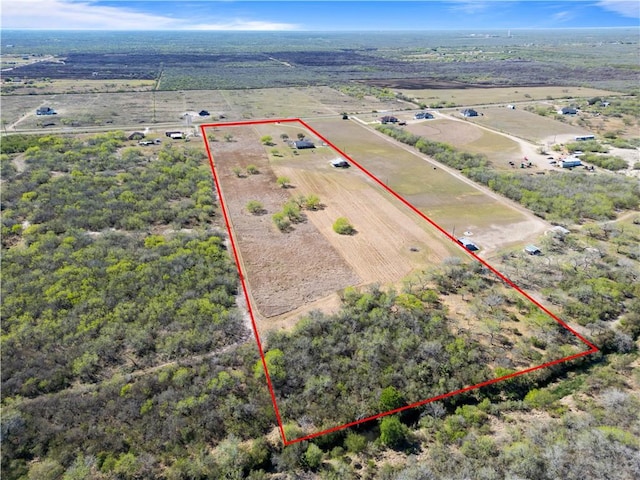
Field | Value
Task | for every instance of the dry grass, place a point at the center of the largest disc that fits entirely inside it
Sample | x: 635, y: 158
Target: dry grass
x: 527, y: 125
x: 444, y: 196
x: 74, y: 86
x: 483, y: 96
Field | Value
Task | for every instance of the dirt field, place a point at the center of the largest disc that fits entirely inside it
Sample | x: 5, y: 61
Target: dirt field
x: 291, y: 273
x: 526, y: 125
x: 283, y: 270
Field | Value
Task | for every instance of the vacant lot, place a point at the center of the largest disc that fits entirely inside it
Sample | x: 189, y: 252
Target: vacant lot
x: 483, y: 96
x: 529, y: 126
x: 498, y: 148
x: 284, y: 270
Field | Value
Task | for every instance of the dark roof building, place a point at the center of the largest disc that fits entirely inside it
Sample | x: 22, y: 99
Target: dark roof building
x: 469, y: 112
x: 203, y: 113
x: 568, y: 111
x: 136, y: 136
x: 388, y: 119
x: 45, y: 111
x: 300, y: 144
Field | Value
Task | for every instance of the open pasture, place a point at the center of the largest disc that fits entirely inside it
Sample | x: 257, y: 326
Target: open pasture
x: 527, y: 125
x: 499, y: 149
x: 445, y: 196
x: 128, y: 109
x: 493, y: 95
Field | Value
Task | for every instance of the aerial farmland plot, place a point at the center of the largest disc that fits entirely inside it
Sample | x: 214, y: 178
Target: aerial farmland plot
x: 445, y: 196
x: 468, y: 137
x: 527, y: 125
x: 496, y: 95
x: 295, y: 278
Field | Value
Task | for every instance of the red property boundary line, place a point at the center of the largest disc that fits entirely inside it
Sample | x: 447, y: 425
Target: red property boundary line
x: 591, y: 347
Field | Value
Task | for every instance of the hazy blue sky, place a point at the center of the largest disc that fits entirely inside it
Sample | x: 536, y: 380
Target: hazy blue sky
x: 318, y: 16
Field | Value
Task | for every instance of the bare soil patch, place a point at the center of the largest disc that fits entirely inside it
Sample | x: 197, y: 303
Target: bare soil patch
x: 292, y: 273
x: 284, y: 270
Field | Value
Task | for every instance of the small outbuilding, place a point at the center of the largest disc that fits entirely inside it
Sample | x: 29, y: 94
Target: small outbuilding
x: 203, y: 113
x: 340, y: 163
x: 532, y: 250
x: 469, y: 112
x: 468, y: 244
x: 45, y: 111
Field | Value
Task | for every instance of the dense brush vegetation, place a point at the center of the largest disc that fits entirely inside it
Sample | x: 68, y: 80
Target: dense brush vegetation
x: 124, y: 355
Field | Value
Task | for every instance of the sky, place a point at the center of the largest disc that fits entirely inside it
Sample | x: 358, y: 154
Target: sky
x: 316, y: 15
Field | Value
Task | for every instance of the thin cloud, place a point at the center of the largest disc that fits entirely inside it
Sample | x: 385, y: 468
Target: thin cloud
x: 255, y: 25
x: 85, y: 15
x: 68, y: 15
x: 563, y: 16
x: 470, y: 7
x: 626, y: 8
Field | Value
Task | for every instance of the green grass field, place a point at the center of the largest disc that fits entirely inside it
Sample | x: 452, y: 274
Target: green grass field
x: 448, y: 200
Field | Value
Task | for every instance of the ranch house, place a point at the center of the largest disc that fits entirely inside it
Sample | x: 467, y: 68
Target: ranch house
x: 568, y: 111
x: 469, y: 112
x: 300, y: 144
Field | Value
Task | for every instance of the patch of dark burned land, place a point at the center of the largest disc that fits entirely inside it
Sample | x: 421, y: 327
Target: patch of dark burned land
x: 280, y: 68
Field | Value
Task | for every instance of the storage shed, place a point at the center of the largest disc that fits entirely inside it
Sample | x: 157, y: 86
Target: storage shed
x: 532, y: 250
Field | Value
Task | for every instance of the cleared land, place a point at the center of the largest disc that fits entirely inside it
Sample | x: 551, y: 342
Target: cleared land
x: 132, y: 109
x: 489, y: 95
x: 527, y: 125
x: 287, y: 271
x: 279, y: 266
